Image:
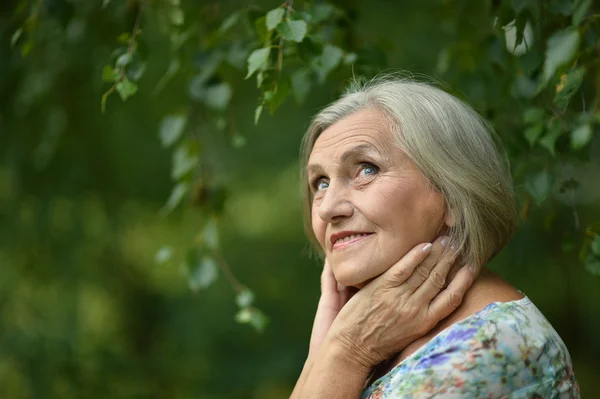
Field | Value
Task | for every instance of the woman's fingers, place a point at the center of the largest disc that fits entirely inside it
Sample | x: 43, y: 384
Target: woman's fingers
x: 422, y: 271
x: 449, y: 299
x: 403, y: 269
x: 328, y: 281
x: 436, y: 280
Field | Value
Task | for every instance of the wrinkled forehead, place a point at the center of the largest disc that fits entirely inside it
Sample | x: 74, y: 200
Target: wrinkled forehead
x: 367, y: 129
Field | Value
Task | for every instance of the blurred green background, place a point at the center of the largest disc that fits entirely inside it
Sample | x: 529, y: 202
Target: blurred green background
x: 86, y: 311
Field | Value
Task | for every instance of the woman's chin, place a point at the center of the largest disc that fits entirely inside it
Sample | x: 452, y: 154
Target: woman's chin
x: 350, y: 276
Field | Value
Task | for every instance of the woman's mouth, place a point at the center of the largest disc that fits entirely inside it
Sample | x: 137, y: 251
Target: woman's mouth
x: 341, y: 241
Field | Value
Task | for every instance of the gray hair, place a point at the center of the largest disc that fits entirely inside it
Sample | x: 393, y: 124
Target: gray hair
x: 451, y: 145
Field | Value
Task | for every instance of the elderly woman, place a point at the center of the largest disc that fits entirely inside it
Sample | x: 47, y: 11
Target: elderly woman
x: 408, y: 198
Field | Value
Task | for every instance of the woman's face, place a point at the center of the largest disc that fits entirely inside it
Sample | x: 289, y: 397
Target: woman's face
x: 371, y: 205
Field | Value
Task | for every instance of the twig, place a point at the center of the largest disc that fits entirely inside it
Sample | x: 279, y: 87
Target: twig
x: 130, y: 51
x: 237, y: 286
x: 288, y: 11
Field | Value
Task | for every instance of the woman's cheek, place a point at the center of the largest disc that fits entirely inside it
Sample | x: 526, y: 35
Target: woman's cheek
x: 319, y: 227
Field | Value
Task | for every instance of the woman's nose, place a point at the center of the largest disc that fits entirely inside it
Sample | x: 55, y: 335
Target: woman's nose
x: 335, y: 205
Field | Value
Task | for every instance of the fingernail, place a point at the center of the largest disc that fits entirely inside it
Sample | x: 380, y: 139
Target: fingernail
x: 472, y: 268
x: 444, y: 242
x: 427, y: 248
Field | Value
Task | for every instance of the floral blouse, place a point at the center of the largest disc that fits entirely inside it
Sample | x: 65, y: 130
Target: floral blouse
x: 507, y: 350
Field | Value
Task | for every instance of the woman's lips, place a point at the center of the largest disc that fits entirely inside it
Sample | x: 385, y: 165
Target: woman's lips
x: 339, y: 245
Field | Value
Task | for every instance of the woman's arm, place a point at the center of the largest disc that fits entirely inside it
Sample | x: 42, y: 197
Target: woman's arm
x: 333, y: 297
x: 331, y: 373
x: 381, y: 319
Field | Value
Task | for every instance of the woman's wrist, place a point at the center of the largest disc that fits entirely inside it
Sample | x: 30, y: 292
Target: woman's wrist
x: 346, y: 354
x: 334, y: 372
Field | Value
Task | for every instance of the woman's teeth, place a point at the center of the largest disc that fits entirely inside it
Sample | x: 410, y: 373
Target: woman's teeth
x: 351, y: 237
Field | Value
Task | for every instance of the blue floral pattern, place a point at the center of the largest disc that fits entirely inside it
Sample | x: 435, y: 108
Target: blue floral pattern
x: 507, y: 350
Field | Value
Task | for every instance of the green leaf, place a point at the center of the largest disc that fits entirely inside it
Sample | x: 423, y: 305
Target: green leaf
x: 27, y: 47
x: 238, y: 141
x: 185, y: 159
x: 524, y: 87
x: 569, y: 84
x: 278, y: 96
x: 244, y: 316
x: 124, y: 38
x: 533, y: 115
x: 539, y: 186
x: 124, y: 60
x: 204, y: 274
x: 580, y: 9
x: 109, y: 74
x: 136, y: 69
x: 293, y: 30
x: 176, y: 16
x: 592, y: 265
x: 177, y: 194
x: 321, y: 12
x: 171, y: 128
x: 257, y: 113
x: 258, y: 60
x: 273, y: 18
x: 581, y: 136
x: 560, y: 50
x: 229, y: 23
x: 350, y: 58
x: 221, y: 123
x: 237, y: 54
x: 301, y: 84
x: 327, y: 61
x: 210, y: 234
x: 553, y: 132
x: 309, y: 48
x: 443, y: 60
x: 532, y: 133
x: 252, y: 316
x: 245, y: 298
x: 163, y: 255
x: 518, y: 36
x: 596, y: 245
x: 217, y: 96
x: 15, y: 37
x: 126, y: 88
x: 105, y: 3
x: 263, y: 34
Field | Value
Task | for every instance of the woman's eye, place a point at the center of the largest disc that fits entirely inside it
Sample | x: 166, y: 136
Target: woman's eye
x: 322, y: 185
x: 319, y: 184
x: 368, y: 169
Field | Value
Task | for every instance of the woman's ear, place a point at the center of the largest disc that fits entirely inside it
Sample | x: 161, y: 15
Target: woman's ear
x: 449, y: 220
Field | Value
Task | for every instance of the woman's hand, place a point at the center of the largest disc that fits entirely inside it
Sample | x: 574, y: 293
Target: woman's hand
x: 399, y: 306
x: 385, y: 316
x: 333, y: 297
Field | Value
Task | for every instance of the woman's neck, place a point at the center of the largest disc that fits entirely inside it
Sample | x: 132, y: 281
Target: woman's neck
x: 487, y: 288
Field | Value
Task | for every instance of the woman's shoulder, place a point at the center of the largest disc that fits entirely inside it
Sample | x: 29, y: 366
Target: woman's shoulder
x: 506, y: 347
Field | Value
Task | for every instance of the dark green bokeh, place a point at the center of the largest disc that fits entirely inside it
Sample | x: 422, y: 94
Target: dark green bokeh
x: 84, y: 309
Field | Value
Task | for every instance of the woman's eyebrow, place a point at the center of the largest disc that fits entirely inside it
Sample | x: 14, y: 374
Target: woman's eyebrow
x: 359, y: 151
x: 356, y: 152
x: 314, y: 168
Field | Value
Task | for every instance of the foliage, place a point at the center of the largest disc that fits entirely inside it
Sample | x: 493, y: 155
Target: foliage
x: 530, y: 67
x: 550, y: 52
